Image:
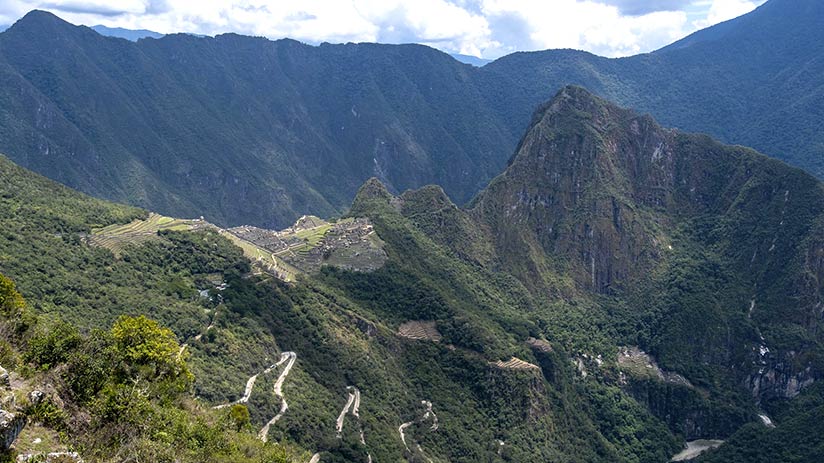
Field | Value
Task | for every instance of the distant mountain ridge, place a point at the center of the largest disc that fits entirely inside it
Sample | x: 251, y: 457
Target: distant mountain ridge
x: 278, y: 130
x: 247, y: 130
x: 129, y: 34
x: 469, y: 59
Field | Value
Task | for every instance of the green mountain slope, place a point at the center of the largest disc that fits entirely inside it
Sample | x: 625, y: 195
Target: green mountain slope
x: 246, y: 130
x: 726, y: 239
x: 704, y: 255
x: 112, y: 387
x: 515, y: 330
x: 238, y: 129
x: 343, y: 327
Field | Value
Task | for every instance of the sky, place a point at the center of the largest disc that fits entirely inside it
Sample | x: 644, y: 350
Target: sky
x: 482, y: 28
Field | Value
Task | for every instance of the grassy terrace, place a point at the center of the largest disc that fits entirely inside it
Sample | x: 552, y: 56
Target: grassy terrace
x: 115, y: 237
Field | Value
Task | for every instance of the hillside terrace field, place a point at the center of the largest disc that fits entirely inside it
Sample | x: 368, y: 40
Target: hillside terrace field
x: 115, y: 237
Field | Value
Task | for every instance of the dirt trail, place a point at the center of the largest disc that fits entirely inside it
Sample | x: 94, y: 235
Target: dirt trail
x: 289, y: 357
x: 428, y: 414
x: 354, y: 394
x: 353, y: 406
x: 315, y: 458
x: 250, y: 385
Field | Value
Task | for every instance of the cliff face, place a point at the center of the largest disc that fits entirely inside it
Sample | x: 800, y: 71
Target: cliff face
x: 716, y: 247
x: 574, y: 183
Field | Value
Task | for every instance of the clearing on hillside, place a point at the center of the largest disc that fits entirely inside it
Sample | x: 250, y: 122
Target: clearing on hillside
x: 638, y: 363
x: 420, y: 330
x: 312, y: 243
x: 539, y: 344
x: 115, y: 237
x: 516, y: 364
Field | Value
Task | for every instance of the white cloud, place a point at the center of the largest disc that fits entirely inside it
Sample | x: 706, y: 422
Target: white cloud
x: 723, y: 10
x: 589, y: 25
x: 488, y: 28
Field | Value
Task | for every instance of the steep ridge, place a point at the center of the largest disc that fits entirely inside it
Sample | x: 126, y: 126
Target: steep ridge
x: 705, y: 255
x: 246, y: 130
x: 625, y: 207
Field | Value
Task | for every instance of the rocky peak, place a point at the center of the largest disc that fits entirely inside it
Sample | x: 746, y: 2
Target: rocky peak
x: 373, y: 189
x: 372, y: 194
x: 41, y: 23
x: 576, y: 182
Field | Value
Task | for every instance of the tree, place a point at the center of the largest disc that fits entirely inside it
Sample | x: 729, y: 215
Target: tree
x: 239, y: 414
x: 142, y: 344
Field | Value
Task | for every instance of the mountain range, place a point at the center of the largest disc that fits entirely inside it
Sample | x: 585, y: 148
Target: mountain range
x: 247, y: 130
x: 132, y: 35
x: 509, y: 268
x: 619, y: 289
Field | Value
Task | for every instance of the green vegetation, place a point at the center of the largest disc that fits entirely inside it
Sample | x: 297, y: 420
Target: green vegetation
x: 605, y: 231
x: 341, y: 324
x: 131, y: 386
x: 796, y: 439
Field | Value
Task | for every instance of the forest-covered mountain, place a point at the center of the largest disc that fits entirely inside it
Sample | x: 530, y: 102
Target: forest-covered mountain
x: 239, y: 129
x: 247, y: 130
x: 620, y: 288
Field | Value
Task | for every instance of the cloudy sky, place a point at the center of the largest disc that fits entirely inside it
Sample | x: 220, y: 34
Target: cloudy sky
x: 483, y: 28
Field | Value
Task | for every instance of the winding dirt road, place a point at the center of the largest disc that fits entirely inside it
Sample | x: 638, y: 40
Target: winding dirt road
x: 354, y: 399
x: 353, y: 406
x: 429, y: 414
x: 289, y: 357
x: 250, y: 385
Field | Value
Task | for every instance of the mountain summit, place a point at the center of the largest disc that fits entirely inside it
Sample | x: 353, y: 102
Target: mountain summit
x: 601, y: 200
x: 574, y: 186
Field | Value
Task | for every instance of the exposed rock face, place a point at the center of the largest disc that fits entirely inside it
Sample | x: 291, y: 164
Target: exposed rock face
x: 366, y: 327
x: 575, y: 183
x: 5, y: 381
x: 11, y: 424
x: 780, y: 380
x: 36, y: 396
